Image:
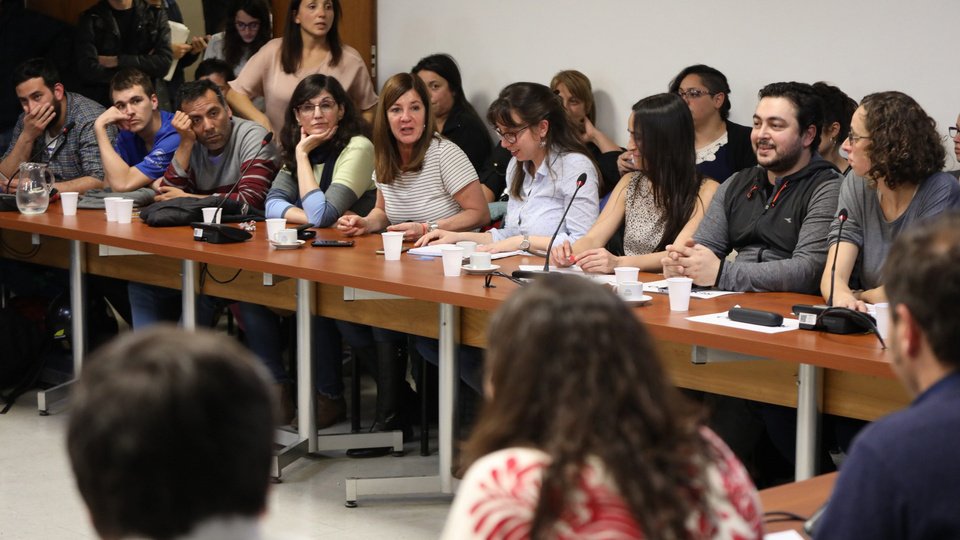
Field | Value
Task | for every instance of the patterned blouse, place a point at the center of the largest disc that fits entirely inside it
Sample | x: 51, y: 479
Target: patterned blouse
x: 499, y: 494
x: 644, y: 220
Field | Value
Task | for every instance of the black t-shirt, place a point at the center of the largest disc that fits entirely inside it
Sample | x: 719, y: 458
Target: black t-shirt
x: 128, y: 29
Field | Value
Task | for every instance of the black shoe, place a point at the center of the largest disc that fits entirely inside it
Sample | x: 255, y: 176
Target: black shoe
x: 391, y: 378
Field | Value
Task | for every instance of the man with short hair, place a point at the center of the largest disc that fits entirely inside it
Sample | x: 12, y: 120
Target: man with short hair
x: 776, y: 215
x: 901, y: 478
x: 147, y: 139
x: 217, y: 71
x: 171, y: 436
x: 215, y: 148
x: 40, y: 134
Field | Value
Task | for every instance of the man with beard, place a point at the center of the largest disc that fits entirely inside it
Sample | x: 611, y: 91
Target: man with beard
x: 776, y: 215
x: 146, y: 141
x: 900, y: 479
x: 39, y: 135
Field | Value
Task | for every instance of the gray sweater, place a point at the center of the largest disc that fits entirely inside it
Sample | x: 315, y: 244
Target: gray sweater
x: 780, y: 246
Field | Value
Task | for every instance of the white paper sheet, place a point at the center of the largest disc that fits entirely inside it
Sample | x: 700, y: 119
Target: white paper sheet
x: 434, y: 251
x: 178, y: 34
x: 721, y: 319
x: 660, y: 287
x: 783, y: 535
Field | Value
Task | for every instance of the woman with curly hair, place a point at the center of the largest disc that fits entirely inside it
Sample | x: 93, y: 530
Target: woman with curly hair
x: 584, y: 435
x: 896, y: 156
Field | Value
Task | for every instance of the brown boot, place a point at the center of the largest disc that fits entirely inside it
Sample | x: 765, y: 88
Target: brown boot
x: 284, y: 394
x: 329, y: 412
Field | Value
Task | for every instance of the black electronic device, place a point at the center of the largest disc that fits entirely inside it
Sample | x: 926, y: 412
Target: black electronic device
x: 304, y: 233
x: 755, y: 316
x: 332, y: 243
x: 216, y: 233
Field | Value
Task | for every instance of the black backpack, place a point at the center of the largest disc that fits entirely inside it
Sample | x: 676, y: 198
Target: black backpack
x: 26, y: 343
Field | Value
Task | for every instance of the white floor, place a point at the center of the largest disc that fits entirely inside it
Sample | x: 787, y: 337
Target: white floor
x: 39, y: 501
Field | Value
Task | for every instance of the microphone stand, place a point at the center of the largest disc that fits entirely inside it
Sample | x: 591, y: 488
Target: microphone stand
x: 529, y: 274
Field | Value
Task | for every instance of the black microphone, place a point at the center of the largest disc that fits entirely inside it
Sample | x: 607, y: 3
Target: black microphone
x: 842, y: 216
x: 580, y: 182
x: 546, y: 264
x: 216, y: 233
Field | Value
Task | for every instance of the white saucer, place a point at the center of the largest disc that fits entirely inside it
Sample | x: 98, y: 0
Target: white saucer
x: 643, y: 300
x: 470, y: 269
x: 298, y: 245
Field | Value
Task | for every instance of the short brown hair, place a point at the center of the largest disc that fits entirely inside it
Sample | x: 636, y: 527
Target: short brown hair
x: 127, y: 78
x: 921, y: 273
x: 386, y: 158
x: 904, y: 146
x: 579, y: 87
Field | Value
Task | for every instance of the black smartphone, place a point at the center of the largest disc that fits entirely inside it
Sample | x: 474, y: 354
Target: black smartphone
x: 332, y: 243
x: 303, y: 233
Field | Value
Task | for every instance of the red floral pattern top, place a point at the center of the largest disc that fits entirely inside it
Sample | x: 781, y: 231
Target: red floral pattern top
x: 499, y: 494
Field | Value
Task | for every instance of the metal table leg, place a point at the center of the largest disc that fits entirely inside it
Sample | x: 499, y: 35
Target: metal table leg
x: 809, y: 405
x: 47, y: 399
x: 443, y: 483
x: 188, y: 294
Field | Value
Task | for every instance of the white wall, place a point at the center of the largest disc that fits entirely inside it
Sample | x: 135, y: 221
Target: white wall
x: 632, y: 48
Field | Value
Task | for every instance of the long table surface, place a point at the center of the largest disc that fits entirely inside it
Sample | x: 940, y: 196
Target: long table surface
x: 422, y: 279
x: 801, y: 498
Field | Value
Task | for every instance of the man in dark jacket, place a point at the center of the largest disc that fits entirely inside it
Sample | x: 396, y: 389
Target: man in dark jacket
x: 777, y: 214
x: 116, y: 34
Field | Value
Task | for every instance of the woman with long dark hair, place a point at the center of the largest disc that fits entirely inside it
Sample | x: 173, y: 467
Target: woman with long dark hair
x: 327, y: 157
x: 548, y: 158
x: 661, y: 203
x: 310, y: 44
x: 897, y: 158
x: 723, y: 147
x: 246, y: 29
x: 584, y: 435
x: 838, y: 109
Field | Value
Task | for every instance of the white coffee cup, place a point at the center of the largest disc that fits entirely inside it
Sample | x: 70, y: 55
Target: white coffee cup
x: 275, y: 225
x: 392, y: 245
x: 679, y: 290
x: 627, y: 274
x: 883, y: 319
x: 124, y: 209
x: 68, y: 200
x: 480, y: 260
x: 110, y: 204
x: 629, y: 290
x: 211, y: 214
x: 286, y: 237
x: 468, y: 247
x: 452, y: 260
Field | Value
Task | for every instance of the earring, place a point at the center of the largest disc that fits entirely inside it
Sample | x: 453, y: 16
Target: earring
x: 543, y: 143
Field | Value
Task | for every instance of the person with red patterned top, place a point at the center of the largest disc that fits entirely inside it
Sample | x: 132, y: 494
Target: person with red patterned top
x: 584, y: 436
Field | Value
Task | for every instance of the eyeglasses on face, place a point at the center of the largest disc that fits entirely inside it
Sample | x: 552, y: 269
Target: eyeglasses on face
x: 694, y: 93
x: 310, y: 109
x: 252, y: 26
x: 511, y: 137
x: 953, y: 130
x: 854, y: 138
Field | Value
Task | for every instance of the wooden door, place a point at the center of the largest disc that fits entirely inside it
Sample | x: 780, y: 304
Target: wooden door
x: 358, y: 28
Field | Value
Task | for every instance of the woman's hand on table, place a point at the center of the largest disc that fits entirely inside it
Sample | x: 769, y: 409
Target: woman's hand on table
x: 352, y: 225
x: 411, y: 231
x: 505, y: 245
x: 438, y: 236
x: 561, y: 256
x: 596, y: 261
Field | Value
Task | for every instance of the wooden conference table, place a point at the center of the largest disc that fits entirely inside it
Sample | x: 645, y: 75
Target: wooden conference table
x: 800, y: 498
x: 815, y: 372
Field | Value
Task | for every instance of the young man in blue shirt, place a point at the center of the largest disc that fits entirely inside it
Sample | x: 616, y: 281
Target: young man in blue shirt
x: 146, y: 141
x: 901, y: 478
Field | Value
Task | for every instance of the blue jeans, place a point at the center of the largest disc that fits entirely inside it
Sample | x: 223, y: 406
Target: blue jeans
x: 151, y: 305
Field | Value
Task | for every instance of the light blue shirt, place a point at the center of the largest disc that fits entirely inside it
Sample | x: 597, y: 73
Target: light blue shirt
x: 546, y: 195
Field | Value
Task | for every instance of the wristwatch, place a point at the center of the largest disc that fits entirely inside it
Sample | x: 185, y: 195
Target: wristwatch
x: 525, y: 244
x: 432, y: 226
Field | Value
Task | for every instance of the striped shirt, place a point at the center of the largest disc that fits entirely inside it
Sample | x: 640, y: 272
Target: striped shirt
x: 209, y: 175
x: 427, y: 195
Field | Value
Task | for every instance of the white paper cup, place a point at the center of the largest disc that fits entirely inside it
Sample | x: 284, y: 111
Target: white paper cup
x: 627, y: 273
x: 211, y: 214
x: 68, y: 200
x: 679, y: 289
x: 392, y: 245
x: 629, y: 290
x: 286, y: 237
x: 468, y: 247
x: 110, y: 204
x: 883, y: 319
x: 124, y: 210
x: 452, y: 261
x: 275, y: 225
x: 480, y: 260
